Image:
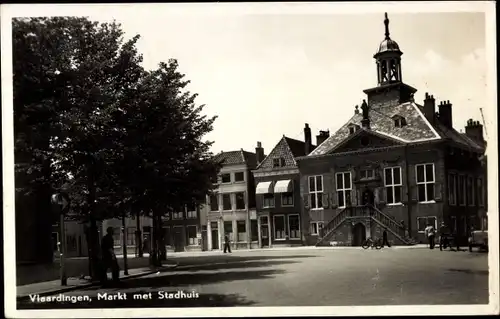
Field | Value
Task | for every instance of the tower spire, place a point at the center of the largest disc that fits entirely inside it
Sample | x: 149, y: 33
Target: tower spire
x: 386, y: 22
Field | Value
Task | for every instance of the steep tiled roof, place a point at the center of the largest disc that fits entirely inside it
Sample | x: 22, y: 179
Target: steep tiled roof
x: 417, y: 127
x: 287, y: 148
x: 236, y: 157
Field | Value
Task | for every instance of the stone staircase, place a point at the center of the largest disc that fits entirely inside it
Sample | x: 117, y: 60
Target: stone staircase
x: 365, y: 211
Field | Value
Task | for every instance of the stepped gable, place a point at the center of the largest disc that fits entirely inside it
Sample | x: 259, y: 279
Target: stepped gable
x: 287, y: 148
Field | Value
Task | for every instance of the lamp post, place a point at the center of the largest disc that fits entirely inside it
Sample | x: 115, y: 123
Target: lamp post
x: 60, y: 204
x: 124, y: 245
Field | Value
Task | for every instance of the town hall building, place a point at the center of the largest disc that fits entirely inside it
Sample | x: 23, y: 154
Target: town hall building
x: 395, y: 166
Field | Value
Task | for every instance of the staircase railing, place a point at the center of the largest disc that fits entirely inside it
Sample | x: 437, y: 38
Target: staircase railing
x: 379, y: 217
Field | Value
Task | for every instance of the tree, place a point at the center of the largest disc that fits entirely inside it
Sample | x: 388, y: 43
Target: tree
x: 70, y: 75
x: 166, y: 156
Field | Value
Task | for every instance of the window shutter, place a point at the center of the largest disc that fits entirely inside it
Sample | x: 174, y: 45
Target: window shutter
x: 305, y: 199
x: 438, y: 190
x: 326, y: 204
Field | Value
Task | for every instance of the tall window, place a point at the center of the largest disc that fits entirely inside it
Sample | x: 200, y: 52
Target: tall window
x: 485, y: 223
x: 461, y: 190
x: 226, y: 202
x: 279, y: 227
x: 316, y: 191
x: 226, y: 178
x: 177, y: 215
x: 242, y: 230
x: 131, y: 236
x: 268, y: 200
x: 240, y: 200
x: 470, y: 191
x: 214, y: 202
x: 422, y: 223
x: 316, y: 227
x: 287, y: 199
x: 228, y: 229
x: 191, y: 214
x: 294, y: 226
x: 452, y: 189
x: 254, y: 229
x: 480, y: 192
x: 239, y: 177
x: 344, y: 188
x: 425, y: 182
x: 393, y: 185
x: 191, y: 235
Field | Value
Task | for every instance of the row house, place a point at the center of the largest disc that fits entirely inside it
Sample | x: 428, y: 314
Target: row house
x: 394, y: 166
x: 278, y: 200
x: 183, y: 230
x: 230, y: 210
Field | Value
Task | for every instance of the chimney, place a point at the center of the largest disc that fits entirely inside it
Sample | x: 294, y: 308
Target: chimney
x: 429, y: 108
x: 474, y: 130
x: 259, y: 153
x: 323, y: 135
x: 307, y: 139
x: 445, y: 114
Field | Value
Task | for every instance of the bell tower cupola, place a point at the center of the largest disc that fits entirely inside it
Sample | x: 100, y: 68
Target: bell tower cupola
x: 388, y: 59
x: 390, y: 89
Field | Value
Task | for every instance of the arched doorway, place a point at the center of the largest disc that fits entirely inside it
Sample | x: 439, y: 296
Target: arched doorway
x: 358, y: 234
x: 368, y: 197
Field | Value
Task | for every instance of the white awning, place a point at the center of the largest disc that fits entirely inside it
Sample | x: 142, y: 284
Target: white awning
x: 264, y: 188
x: 283, y: 186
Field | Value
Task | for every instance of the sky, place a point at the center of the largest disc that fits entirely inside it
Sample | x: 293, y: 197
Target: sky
x: 267, y: 74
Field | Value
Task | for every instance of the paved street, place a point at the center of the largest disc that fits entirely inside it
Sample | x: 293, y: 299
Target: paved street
x: 336, y: 277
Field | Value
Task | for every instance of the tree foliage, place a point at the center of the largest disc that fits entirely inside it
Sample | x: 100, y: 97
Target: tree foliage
x: 91, y: 120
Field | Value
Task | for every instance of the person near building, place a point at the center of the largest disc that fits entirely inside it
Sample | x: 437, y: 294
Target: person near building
x: 430, y: 233
x: 227, y: 244
x: 444, y: 236
x: 109, y: 258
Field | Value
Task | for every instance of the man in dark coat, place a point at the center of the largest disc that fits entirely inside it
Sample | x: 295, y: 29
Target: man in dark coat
x: 227, y: 245
x: 109, y: 257
x: 384, y: 239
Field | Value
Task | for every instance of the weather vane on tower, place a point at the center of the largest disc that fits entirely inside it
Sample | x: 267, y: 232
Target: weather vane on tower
x: 386, y: 22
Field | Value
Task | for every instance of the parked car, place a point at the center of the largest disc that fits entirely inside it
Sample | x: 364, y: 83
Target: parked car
x: 478, y: 238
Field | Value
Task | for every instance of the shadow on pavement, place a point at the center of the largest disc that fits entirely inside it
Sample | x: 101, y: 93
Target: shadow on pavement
x: 203, y: 300
x: 182, y: 261
x: 232, y: 265
x: 190, y: 279
x: 471, y: 272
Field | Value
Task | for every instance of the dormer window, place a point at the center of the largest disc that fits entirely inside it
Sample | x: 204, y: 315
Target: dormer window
x: 353, y: 128
x: 399, y: 121
x: 279, y: 162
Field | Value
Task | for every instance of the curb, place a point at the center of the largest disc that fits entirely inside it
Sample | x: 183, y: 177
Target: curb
x: 83, y: 286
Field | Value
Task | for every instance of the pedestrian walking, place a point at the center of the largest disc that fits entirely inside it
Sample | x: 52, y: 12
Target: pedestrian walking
x: 384, y: 239
x: 227, y: 244
x: 108, y: 257
x: 444, y: 236
x: 430, y: 233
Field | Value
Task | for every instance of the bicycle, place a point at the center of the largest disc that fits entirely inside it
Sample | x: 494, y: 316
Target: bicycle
x: 370, y: 243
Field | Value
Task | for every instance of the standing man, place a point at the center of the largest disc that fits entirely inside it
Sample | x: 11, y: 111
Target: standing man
x: 444, y: 237
x: 430, y: 232
x: 109, y: 257
x: 227, y: 246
